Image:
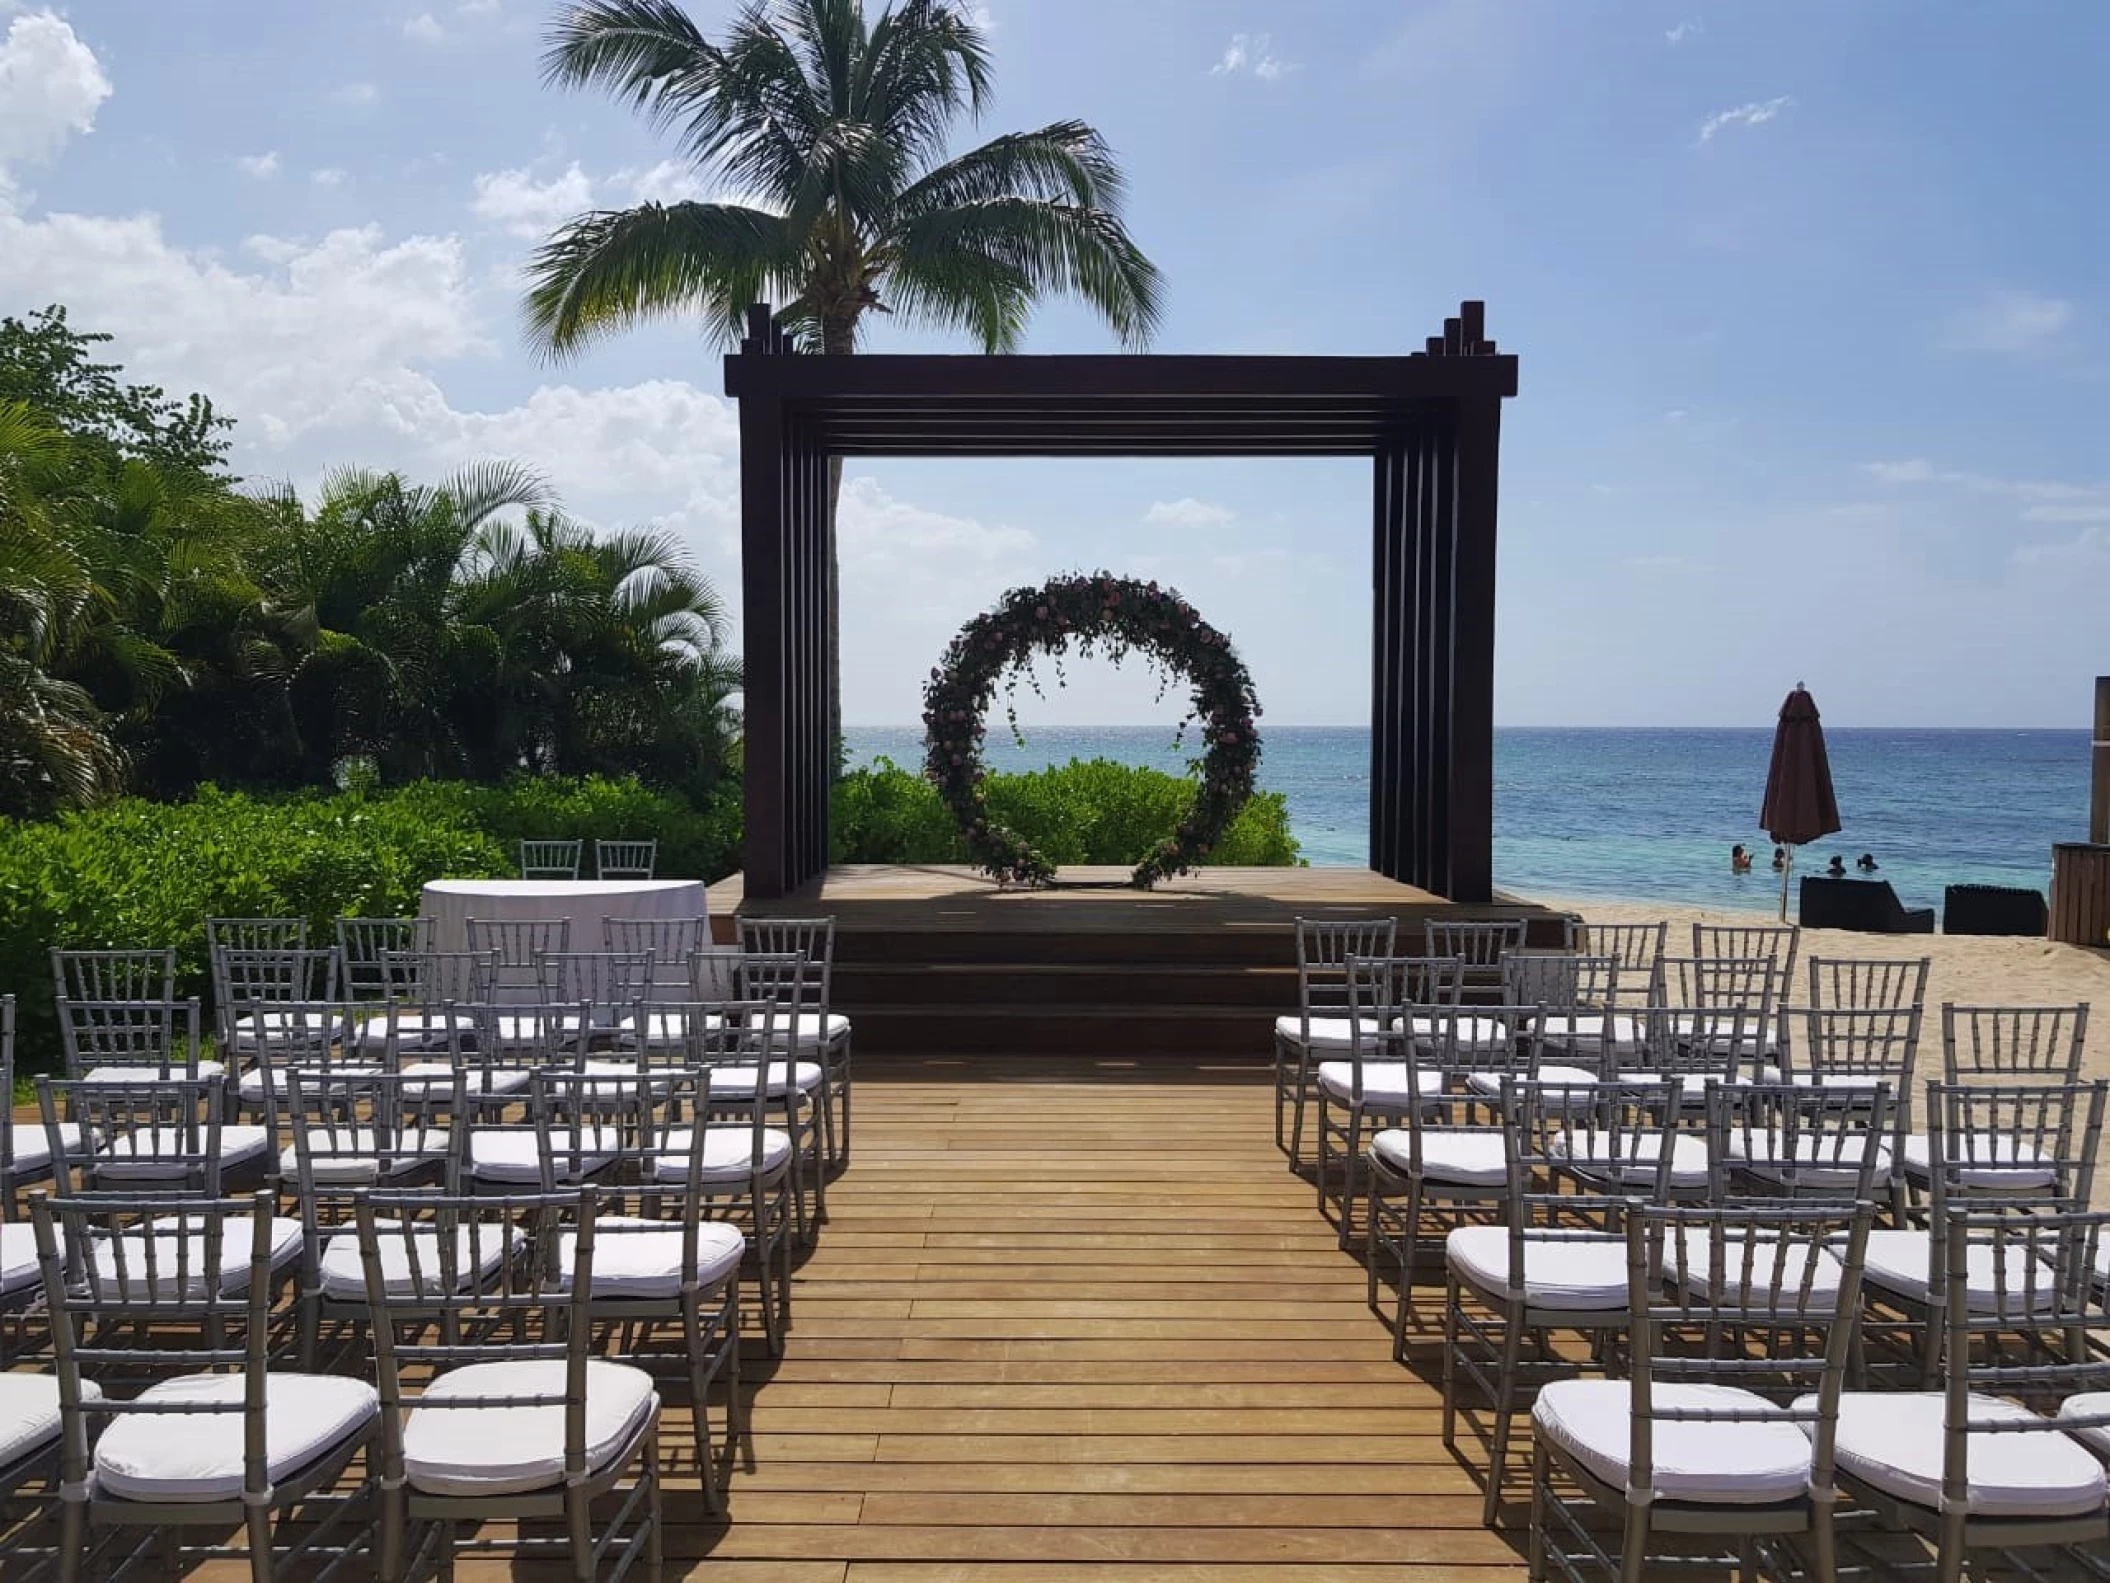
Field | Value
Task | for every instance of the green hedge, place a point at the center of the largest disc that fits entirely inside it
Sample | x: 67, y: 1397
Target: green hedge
x: 1085, y: 811
x: 137, y: 873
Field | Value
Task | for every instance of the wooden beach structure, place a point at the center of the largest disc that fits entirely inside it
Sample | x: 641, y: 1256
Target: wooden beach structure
x: 2080, y: 870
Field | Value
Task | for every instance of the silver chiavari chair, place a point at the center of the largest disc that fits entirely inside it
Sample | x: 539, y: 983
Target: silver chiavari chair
x: 625, y: 859
x: 1320, y: 1024
x: 549, y: 859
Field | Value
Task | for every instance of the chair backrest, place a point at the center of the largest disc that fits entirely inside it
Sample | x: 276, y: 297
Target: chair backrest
x: 1635, y: 945
x: 144, y: 1288
x: 1693, y: 1044
x: 157, y: 1038
x: 1841, y: 1048
x: 255, y: 934
x: 250, y: 983
x: 1453, y: 1045
x: 1578, y: 1154
x: 1777, y: 943
x: 1868, y: 983
x: 1478, y: 945
x: 455, y: 1279
x: 670, y: 940
x: 1695, y: 1274
x: 432, y: 978
x: 2045, y: 1043
x: 158, y: 1136
x: 791, y: 979
x: 812, y: 938
x: 366, y: 946
x: 313, y: 1036
x: 611, y: 982
x: 2037, y: 1276
x: 518, y: 944
x: 2026, y: 1141
x: 1560, y: 981
x: 1794, y: 1140
x: 497, y: 1036
x: 1325, y: 946
x: 104, y: 975
x: 549, y: 859
x: 625, y: 859
x: 1746, y: 983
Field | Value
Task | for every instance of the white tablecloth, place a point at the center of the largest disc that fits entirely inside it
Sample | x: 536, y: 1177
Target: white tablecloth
x: 588, y: 903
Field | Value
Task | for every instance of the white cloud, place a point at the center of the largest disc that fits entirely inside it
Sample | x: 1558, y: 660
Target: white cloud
x: 356, y: 93
x: 1757, y: 114
x: 51, y: 85
x: 478, y: 7
x: 328, y: 176
x: 262, y: 166
x: 1251, y: 52
x: 1187, y: 512
x: 424, y: 28
x: 670, y: 181
x: 2016, y: 323
x: 1682, y: 31
x: 2036, y: 499
x: 527, y: 207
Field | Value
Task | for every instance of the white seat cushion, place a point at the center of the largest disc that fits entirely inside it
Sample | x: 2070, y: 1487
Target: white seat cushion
x: 172, y: 1245
x: 1698, y: 1461
x: 347, y: 1158
x: 250, y: 1085
x: 809, y: 1029
x: 1582, y: 1031
x: 144, y: 1156
x: 1476, y: 1035
x: 1328, y: 1033
x: 482, y: 1451
x: 32, y: 1146
x: 2090, y: 1405
x: 1751, y: 1277
x: 734, y: 1083
x: 1983, y: 1160
x: 198, y: 1456
x: 1559, y: 1072
x: 515, y: 1154
x: 728, y: 1154
x: 1632, y: 1158
x: 29, y: 1413
x: 414, y: 1030
x: 1720, y: 1033
x: 152, y: 1074
x: 1818, y: 1160
x: 18, y: 1257
x: 482, y: 1081
x: 1575, y: 1272
x: 1384, y: 1083
x: 644, y: 1260
x: 1467, y: 1156
x: 531, y: 1033
x: 479, y: 1251
x: 1900, y: 1261
x: 1894, y: 1441
x: 1845, y: 1082
x: 277, y: 1027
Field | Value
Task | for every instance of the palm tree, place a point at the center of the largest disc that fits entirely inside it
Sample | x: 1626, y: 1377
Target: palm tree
x: 830, y: 128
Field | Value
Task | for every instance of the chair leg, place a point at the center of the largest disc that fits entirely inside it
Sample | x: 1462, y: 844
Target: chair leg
x: 1351, y: 1160
x: 1505, y: 1413
x: 1541, y: 1477
x: 73, y: 1536
x: 655, y: 1510
x: 1450, y: 1362
x: 1299, y: 1094
x: 1633, y: 1549
x: 259, y: 1525
x: 578, y: 1520
x: 714, y: 1490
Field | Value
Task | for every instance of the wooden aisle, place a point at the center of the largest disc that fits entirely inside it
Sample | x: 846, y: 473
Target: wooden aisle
x: 1076, y: 1323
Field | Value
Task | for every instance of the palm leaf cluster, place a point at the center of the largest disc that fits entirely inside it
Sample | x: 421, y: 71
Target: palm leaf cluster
x: 826, y: 130
x: 161, y: 627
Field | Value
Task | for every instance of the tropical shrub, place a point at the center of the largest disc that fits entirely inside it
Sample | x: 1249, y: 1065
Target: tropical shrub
x: 1085, y: 811
x: 139, y: 873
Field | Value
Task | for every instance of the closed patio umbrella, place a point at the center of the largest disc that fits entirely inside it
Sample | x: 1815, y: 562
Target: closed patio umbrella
x: 1799, y: 806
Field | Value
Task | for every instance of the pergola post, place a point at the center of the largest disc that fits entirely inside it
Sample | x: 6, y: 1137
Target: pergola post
x: 1430, y: 422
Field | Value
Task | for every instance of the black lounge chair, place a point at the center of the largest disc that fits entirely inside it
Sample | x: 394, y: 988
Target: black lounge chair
x: 1867, y: 905
x: 1993, y: 909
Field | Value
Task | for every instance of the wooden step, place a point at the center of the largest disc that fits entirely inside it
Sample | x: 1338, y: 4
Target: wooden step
x: 1110, y: 984
x: 1235, y: 1035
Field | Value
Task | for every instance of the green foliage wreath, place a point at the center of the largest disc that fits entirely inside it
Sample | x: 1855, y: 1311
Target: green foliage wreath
x: 1090, y: 614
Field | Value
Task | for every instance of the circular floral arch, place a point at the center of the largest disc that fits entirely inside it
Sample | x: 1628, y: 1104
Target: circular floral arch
x: 1090, y: 614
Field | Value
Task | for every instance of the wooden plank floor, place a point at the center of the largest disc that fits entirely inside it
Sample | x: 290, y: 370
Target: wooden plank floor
x: 1071, y: 1324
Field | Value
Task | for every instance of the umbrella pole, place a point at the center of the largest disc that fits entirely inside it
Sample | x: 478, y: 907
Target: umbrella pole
x: 1786, y: 869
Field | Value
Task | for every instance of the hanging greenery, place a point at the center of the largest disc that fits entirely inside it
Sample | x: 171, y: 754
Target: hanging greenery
x: 1093, y: 614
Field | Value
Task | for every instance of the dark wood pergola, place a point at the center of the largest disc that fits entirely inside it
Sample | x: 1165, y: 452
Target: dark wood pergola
x: 1431, y: 422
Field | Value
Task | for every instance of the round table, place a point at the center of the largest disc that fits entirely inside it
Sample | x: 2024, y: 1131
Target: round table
x: 588, y: 903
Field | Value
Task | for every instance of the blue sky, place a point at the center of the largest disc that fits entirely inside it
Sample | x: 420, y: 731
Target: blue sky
x: 1809, y: 301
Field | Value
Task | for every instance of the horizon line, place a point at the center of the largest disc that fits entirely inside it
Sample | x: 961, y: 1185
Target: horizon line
x: 1505, y: 725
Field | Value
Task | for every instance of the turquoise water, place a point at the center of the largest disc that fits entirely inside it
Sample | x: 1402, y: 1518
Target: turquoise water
x: 1652, y: 814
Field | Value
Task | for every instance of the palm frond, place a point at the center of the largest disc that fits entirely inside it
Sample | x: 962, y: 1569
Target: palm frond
x: 615, y: 268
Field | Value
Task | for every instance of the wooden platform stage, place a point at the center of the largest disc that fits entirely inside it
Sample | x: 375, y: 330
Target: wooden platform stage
x: 940, y: 959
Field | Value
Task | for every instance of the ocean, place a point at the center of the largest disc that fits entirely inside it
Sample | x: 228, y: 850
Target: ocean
x: 1650, y: 815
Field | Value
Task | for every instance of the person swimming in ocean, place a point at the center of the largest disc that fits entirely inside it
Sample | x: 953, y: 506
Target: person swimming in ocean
x: 1866, y: 863
x: 1780, y: 858
x: 1838, y: 868
x: 1739, y: 860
